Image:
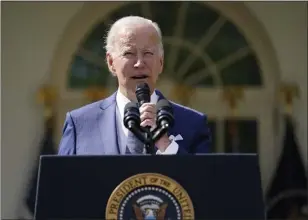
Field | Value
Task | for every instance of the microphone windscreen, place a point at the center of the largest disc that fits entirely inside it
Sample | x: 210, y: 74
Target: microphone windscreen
x: 164, y: 113
x: 130, y: 105
x: 131, y: 114
x: 143, y: 93
x: 163, y: 103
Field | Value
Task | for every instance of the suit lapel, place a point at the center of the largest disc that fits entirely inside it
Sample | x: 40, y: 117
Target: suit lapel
x: 107, y: 124
x: 159, y: 94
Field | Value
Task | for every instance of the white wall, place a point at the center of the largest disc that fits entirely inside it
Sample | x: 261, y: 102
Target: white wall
x: 30, y: 33
x: 286, y: 24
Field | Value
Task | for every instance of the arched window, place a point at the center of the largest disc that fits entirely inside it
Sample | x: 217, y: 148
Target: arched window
x: 203, y: 49
x: 204, y: 52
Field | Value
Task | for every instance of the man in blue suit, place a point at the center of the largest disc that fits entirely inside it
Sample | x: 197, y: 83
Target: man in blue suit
x: 134, y: 54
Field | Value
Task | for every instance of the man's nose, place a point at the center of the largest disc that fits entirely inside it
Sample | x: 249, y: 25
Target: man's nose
x: 139, y: 61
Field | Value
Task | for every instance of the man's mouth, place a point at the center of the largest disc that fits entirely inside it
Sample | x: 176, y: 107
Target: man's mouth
x: 140, y: 77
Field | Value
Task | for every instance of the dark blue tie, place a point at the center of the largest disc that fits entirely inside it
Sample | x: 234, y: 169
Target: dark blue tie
x: 134, y: 145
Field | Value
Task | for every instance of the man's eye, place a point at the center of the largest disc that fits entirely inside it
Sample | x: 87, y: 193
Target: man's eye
x: 128, y: 53
x: 149, y: 53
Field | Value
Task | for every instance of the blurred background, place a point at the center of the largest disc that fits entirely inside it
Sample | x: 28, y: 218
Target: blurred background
x: 244, y: 64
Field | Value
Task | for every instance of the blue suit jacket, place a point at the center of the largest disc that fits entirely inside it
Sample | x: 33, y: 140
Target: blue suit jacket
x: 91, y: 130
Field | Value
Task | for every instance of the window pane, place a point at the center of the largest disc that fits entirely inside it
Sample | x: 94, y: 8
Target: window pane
x: 227, y: 41
x: 165, y: 14
x: 245, y: 71
x: 95, y: 41
x: 212, y: 127
x: 198, y: 19
x: 126, y: 10
x: 84, y: 74
x: 241, y: 136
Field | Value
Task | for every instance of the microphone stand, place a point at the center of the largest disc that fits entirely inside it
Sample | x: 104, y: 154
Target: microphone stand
x: 149, y: 142
x: 158, y: 132
x: 151, y: 137
x: 145, y: 136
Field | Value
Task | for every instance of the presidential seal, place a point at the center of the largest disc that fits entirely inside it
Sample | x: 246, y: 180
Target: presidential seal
x: 149, y: 196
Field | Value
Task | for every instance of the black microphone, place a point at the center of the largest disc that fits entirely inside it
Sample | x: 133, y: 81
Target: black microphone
x: 165, y: 119
x: 165, y: 116
x: 143, y: 93
x: 143, y: 96
x: 131, y: 115
x: 132, y: 120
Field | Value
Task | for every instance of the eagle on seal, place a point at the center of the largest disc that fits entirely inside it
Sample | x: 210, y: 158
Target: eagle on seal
x: 150, y: 214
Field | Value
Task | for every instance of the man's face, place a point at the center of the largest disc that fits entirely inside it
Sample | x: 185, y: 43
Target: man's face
x: 136, y: 58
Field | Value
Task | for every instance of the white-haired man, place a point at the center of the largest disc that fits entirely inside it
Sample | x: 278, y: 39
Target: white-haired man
x: 134, y: 54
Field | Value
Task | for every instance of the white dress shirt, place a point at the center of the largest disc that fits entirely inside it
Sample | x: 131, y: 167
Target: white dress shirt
x: 123, y: 100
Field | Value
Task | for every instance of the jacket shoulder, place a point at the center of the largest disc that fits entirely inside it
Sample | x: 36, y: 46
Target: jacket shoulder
x: 187, y: 111
x: 83, y: 110
x: 92, y: 108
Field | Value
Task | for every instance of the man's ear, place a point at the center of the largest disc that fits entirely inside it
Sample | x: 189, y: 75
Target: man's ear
x: 161, y: 62
x: 109, y: 60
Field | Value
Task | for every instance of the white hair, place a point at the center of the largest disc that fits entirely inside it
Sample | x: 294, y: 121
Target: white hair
x: 130, y: 21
